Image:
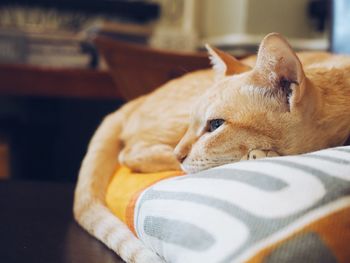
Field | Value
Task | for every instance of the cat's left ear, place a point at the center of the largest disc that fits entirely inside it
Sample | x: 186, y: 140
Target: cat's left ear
x: 280, y: 65
x: 224, y: 64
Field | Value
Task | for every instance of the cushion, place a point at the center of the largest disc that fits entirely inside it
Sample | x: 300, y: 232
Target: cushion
x: 281, y: 209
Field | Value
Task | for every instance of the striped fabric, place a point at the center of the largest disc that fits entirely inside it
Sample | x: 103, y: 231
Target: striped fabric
x: 283, y: 209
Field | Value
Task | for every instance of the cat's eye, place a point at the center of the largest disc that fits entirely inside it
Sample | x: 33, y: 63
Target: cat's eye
x: 214, y: 124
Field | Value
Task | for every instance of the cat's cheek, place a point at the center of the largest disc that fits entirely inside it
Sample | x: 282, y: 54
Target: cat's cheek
x: 187, y: 169
x: 189, y: 166
x: 184, y: 168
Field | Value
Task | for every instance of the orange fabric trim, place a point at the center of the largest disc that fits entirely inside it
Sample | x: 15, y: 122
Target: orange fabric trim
x: 333, y: 229
x: 126, y: 186
x: 130, y: 209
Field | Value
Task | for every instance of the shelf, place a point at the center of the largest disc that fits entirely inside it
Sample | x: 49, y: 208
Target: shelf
x: 25, y: 80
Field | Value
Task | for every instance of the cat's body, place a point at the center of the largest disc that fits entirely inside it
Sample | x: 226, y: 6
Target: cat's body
x: 152, y: 131
x: 145, y: 131
x: 155, y: 127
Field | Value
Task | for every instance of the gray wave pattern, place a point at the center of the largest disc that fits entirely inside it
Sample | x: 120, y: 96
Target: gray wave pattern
x: 341, y: 149
x: 179, y: 233
x: 260, y: 226
x: 327, y: 158
x: 260, y: 180
x: 305, y: 248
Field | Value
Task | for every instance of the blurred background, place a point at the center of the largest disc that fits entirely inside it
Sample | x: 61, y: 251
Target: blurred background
x: 65, y: 64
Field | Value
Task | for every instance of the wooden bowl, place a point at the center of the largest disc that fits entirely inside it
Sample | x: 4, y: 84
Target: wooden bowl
x: 138, y: 69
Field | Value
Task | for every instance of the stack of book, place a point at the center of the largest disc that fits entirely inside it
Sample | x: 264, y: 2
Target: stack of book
x: 55, y: 33
x: 59, y: 49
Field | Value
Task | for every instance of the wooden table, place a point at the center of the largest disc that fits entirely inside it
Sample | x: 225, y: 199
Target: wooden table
x: 36, y: 225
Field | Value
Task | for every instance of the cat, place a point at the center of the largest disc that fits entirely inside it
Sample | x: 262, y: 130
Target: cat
x: 145, y: 131
x: 155, y: 127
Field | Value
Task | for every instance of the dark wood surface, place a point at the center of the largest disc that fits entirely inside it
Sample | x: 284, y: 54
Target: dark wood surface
x: 24, y: 80
x: 36, y: 225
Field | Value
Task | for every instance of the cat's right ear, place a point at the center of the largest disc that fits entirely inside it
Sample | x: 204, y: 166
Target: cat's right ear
x: 224, y: 64
x: 279, y: 63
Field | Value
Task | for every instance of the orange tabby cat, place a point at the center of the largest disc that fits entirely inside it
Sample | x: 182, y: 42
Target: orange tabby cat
x: 275, y: 107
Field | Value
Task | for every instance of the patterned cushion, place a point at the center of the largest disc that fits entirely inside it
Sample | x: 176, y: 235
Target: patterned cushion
x: 283, y: 209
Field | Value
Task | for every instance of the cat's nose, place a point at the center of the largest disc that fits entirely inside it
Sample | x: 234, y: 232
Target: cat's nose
x: 182, y: 159
x: 180, y: 156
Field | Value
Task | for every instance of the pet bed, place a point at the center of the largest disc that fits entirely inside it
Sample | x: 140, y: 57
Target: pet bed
x: 281, y: 209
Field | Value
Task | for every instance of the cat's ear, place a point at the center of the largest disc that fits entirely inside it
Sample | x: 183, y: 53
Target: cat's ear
x: 224, y: 64
x: 279, y: 63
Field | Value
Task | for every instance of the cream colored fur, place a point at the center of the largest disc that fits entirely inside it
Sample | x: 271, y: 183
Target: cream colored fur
x: 142, y: 135
x: 97, y: 168
x: 258, y: 122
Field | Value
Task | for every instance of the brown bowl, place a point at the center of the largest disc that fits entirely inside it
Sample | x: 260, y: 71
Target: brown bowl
x: 138, y: 69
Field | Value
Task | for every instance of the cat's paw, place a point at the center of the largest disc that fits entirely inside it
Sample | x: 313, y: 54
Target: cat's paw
x: 272, y: 154
x: 143, y: 158
x: 258, y: 154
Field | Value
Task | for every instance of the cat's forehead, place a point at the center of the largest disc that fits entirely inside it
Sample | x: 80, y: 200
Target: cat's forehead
x: 234, y: 81
x: 238, y: 94
x: 236, y: 89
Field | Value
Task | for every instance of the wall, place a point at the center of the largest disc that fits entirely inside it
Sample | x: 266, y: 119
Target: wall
x: 283, y: 16
x: 236, y: 22
x: 255, y: 17
x: 221, y: 17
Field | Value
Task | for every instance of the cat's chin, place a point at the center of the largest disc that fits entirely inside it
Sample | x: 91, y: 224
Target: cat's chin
x: 192, y: 169
x: 189, y: 169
